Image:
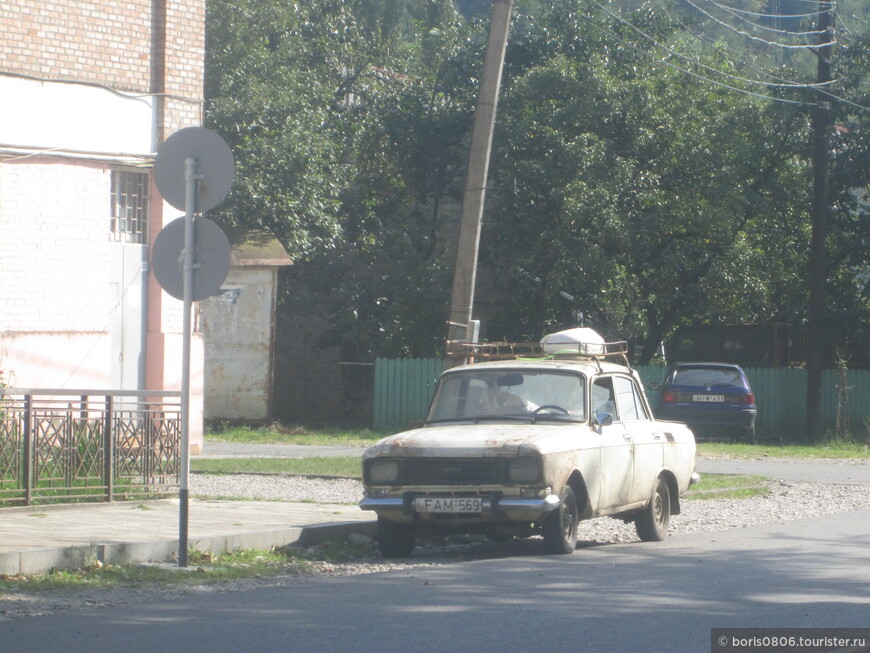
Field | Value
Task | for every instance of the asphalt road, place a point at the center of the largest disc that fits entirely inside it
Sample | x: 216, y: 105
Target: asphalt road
x: 809, y: 472
x: 634, y: 597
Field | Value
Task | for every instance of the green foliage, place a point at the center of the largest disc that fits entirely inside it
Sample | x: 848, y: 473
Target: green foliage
x: 651, y: 198
x: 621, y: 186
x: 271, y: 97
x: 849, y: 221
x: 347, y: 121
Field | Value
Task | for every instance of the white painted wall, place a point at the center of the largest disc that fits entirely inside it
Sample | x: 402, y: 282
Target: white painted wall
x: 54, y: 247
x: 64, y: 360
x: 36, y: 114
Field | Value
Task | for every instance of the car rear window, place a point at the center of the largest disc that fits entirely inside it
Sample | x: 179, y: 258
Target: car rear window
x: 707, y: 376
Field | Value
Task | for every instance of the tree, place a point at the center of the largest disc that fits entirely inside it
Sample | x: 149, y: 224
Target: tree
x: 392, y: 268
x: 848, y: 258
x: 274, y: 103
x: 648, y: 197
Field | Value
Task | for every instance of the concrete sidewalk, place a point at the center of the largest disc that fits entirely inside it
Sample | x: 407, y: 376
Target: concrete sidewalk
x: 39, y: 538
x: 36, y: 539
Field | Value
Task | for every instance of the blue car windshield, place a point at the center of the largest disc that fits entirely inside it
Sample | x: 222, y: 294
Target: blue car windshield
x: 707, y: 376
x: 479, y: 393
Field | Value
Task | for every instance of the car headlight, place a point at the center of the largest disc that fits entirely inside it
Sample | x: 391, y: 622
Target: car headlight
x: 380, y: 472
x: 524, y: 470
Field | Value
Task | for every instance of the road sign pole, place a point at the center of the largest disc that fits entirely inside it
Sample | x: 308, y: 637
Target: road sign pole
x: 186, y: 157
x: 190, y: 179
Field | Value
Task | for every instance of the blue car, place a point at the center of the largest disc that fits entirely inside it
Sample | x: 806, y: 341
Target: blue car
x: 712, y: 398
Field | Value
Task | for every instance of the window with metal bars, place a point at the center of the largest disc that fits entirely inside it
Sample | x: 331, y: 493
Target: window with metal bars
x: 129, y: 210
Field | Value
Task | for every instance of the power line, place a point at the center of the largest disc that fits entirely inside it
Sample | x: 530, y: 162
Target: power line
x: 693, y: 60
x: 724, y: 49
x: 783, y: 84
x: 684, y: 70
x: 801, y: 46
x: 735, y: 10
x: 704, y: 39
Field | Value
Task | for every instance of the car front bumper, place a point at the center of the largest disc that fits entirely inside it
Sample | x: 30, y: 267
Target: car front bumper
x: 493, y: 505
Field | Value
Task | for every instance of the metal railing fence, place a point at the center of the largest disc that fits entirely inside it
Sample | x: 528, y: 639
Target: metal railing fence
x: 87, y: 445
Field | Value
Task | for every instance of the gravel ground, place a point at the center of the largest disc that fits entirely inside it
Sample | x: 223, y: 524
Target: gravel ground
x: 787, y: 501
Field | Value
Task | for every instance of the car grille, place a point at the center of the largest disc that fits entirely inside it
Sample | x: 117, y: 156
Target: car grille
x: 452, y: 471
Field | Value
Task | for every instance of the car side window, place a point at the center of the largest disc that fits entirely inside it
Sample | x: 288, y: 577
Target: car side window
x: 603, y: 398
x: 631, y: 406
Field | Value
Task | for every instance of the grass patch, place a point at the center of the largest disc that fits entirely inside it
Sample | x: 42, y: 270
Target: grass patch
x: 346, y: 467
x: 825, y: 450
x: 728, y: 486
x: 300, y: 435
x: 277, y: 434
x: 203, y: 568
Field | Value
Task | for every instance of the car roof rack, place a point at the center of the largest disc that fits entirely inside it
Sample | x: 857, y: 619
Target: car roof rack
x: 495, y: 351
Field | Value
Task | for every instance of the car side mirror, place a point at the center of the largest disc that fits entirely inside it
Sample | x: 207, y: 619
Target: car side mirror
x: 655, y: 385
x: 602, y: 419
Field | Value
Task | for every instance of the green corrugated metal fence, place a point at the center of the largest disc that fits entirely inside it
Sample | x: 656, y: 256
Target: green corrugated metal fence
x: 403, y: 390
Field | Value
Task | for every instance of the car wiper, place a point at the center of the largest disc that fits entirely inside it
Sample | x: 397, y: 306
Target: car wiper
x: 556, y: 418
x: 509, y: 418
x: 481, y: 418
x: 527, y: 417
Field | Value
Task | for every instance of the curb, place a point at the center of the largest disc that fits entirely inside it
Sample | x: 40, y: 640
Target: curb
x: 39, y: 561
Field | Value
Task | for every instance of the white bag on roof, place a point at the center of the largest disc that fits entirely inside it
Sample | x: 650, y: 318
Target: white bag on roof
x: 580, y: 340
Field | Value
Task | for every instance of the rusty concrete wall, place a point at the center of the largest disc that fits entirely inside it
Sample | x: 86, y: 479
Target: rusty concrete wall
x: 238, y: 331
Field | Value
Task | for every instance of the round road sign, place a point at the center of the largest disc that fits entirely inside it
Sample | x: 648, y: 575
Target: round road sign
x: 211, y: 256
x: 214, y: 167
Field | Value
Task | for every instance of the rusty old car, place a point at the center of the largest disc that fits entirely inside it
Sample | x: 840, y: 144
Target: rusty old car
x: 520, y: 446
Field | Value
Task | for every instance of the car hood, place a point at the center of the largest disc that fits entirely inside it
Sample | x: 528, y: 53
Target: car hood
x: 480, y: 440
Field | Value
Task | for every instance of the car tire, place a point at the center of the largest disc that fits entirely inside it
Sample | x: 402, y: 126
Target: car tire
x: 652, y: 522
x: 560, y: 526
x: 395, y: 540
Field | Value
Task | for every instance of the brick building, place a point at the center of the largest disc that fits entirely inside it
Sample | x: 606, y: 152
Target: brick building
x: 89, y: 90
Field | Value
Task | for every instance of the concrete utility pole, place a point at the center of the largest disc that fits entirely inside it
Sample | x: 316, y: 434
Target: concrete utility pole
x: 821, y: 129
x: 465, y: 273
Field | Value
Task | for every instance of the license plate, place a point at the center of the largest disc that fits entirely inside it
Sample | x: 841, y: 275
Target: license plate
x: 448, y: 504
x: 714, y: 398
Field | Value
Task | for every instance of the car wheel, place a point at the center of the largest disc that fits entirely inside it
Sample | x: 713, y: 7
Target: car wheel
x: 395, y: 540
x: 560, y: 526
x: 652, y: 523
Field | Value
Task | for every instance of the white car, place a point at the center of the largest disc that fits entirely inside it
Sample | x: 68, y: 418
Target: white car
x: 531, y: 446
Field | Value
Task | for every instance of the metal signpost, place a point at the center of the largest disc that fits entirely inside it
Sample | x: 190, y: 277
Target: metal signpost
x: 194, y: 171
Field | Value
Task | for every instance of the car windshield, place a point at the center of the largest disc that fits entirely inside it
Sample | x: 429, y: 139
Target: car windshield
x: 492, y: 394
x: 707, y: 376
